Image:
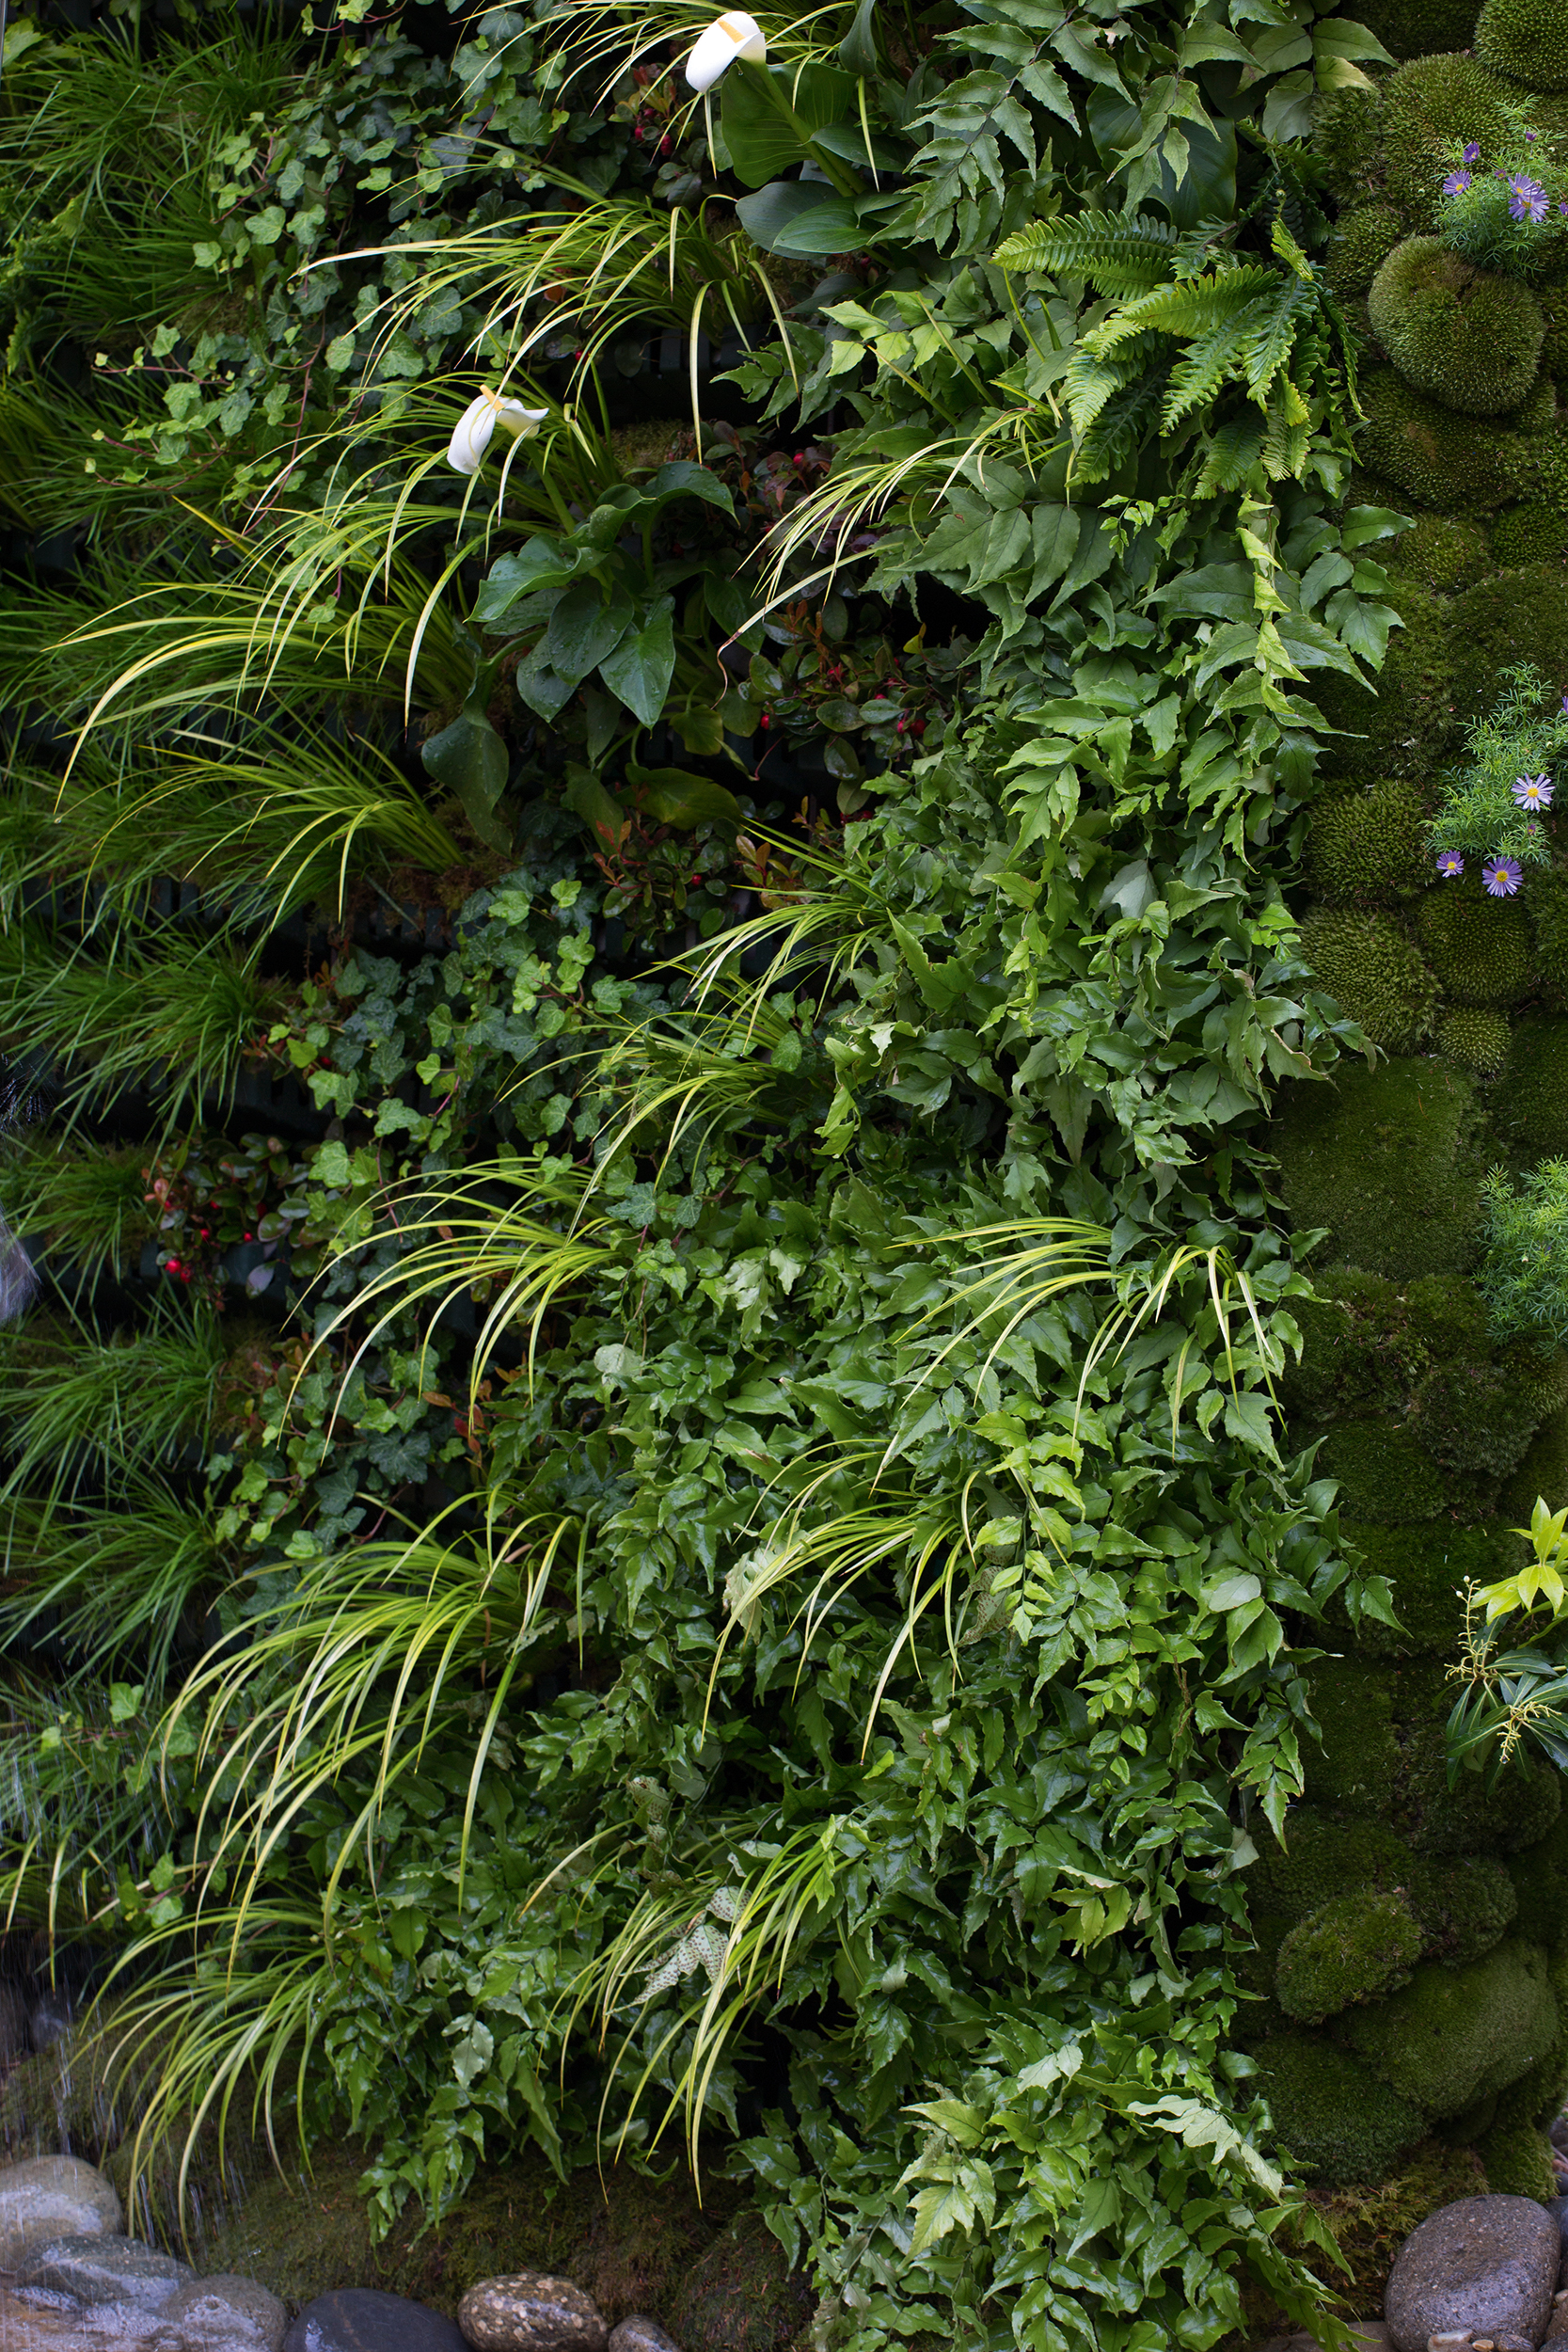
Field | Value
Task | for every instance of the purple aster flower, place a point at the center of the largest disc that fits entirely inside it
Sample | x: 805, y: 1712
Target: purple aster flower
x: 1456, y: 184
x: 1502, y: 876
x: 1528, y: 200
x: 1449, y: 865
x: 1533, y: 137
x: 1471, y: 155
x: 1533, y: 791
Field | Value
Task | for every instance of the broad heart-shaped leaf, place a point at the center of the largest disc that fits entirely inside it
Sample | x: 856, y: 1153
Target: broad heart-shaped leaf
x: 643, y: 662
x: 633, y: 505
x: 583, y: 629
x: 470, y: 758
x: 857, y: 50
x: 780, y: 218
x: 542, y: 564
x: 761, y: 140
x: 673, y: 796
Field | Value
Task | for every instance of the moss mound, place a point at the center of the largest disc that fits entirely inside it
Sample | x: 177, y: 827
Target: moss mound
x: 1442, y: 551
x: 1429, y: 108
x: 1406, y: 727
x: 1518, y: 2162
x: 1427, y: 1568
x: 1409, y: 28
x: 1546, y: 905
x: 1359, y: 1945
x: 1540, y: 1877
x: 1532, y: 533
x: 1382, y: 1474
x: 1365, y: 849
x: 1452, y: 2036
x: 1362, y: 241
x: 1476, y: 1038
x: 1513, y: 616
x: 1534, y: 1106
x: 1334, y: 2116
x: 1464, y: 336
x: 1389, y: 1161
x: 1446, y: 462
x: 1527, y: 40
x: 1371, y: 967
x: 1479, y: 947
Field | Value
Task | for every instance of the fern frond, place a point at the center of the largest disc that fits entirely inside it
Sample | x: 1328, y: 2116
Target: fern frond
x: 1271, y: 343
x: 1198, y: 374
x: 1114, y: 433
x: 1089, y: 383
x: 1199, y: 306
x: 1234, y: 449
x: 1286, y: 441
x: 1121, y: 255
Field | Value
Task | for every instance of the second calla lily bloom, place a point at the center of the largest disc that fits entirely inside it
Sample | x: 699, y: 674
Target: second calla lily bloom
x: 726, y: 38
x: 475, y: 428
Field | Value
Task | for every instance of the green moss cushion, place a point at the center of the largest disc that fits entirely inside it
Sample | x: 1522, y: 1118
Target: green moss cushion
x: 1530, y: 532
x: 1540, y: 1875
x: 1437, y: 458
x: 1429, y: 108
x: 1405, y: 725
x: 1465, y: 336
x: 1527, y: 40
x: 1363, y: 240
x: 1323, y: 1853
x: 1475, y: 1038
x: 1333, y: 2115
x: 1463, y: 1907
x: 1367, y: 848
x: 1518, y: 2161
x: 1409, y: 28
x: 1427, y: 1568
x: 1383, y: 1472
x: 1512, y: 617
x: 1479, y: 947
x: 1442, y: 551
x: 1455, y: 2034
x: 1543, y: 1471
x: 1533, y: 1111
x: 1357, y: 1946
x: 1546, y: 905
x: 1390, y: 1161
x: 1376, y: 976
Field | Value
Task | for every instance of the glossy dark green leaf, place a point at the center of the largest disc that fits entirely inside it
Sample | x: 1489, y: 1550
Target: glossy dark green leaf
x: 583, y: 629
x: 471, y: 759
x: 643, y: 662
x: 676, y: 796
x: 540, y: 564
x: 761, y: 141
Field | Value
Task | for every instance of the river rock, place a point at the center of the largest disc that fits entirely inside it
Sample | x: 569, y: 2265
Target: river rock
x: 527, y: 2311
x: 1487, y: 2265
x: 363, y: 2319
x: 225, y: 2313
x: 638, y: 2333
x: 93, y: 2270
x: 50, y: 2197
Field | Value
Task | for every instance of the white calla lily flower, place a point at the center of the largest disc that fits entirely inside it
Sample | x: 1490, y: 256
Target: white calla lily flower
x: 726, y: 38
x: 475, y: 428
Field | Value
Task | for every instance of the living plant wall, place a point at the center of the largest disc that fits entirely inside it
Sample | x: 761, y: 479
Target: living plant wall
x: 660, y: 750
x: 1410, y: 1939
